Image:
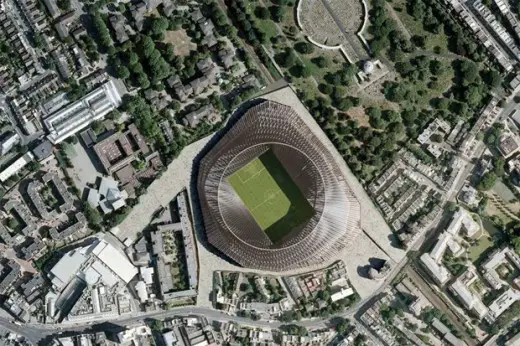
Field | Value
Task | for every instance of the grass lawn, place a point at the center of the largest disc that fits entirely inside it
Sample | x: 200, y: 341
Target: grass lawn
x: 271, y: 196
x: 485, y: 244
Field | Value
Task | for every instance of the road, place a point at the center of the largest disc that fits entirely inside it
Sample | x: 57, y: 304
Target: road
x: 36, y: 332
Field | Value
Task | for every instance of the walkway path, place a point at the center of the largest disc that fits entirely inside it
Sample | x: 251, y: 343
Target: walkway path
x: 398, y: 21
x: 176, y: 178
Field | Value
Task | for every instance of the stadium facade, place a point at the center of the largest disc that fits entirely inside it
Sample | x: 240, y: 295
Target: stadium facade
x: 229, y: 225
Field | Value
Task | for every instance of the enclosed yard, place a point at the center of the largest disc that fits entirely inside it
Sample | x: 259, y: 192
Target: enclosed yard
x: 181, y: 41
x: 484, y: 244
x: 271, y: 196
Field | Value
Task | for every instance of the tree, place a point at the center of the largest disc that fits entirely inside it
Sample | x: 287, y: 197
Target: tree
x: 277, y: 13
x: 487, y: 181
x: 516, y: 244
x: 143, y: 81
x: 436, y: 138
x: 286, y: 58
x: 64, y: 5
x: 469, y: 71
x: 343, y: 326
x: 157, y: 325
x: 35, y: 166
x: 451, y: 206
x: 12, y: 223
x: 395, y: 92
x: 360, y: 340
x: 92, y: 215
x: 102, y: 30
x: 159, y: 25
x: 320, y: 61
x: 325, y: 88
x: 304, y: 47
x: 436, y: 67
x: 492, y: 78
x: 97, y: 126
x: 261, y: 12
x: 419, y: 41
x: 147, y: 46
x: 499, y: 164
x: 324, y: 294
x: 300, y: 71
x: 122, y: 72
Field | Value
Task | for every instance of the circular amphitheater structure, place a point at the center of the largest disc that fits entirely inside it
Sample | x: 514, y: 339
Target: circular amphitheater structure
x: 272, y: 196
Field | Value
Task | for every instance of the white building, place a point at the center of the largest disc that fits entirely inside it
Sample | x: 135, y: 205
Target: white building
x: 115, y: 260
x: 134, y: 334
x: 343, y: 293
x: 78, y: 115
x: 462, y: 219
x: 439, y: 273
x: 502, y: 303
x: 490, y: 266
x: 469, y: 195
x: 469, y: 299
x: 16, y: 166
x: 67, y: 267
x: 100, y: 262
x: 9, y: 143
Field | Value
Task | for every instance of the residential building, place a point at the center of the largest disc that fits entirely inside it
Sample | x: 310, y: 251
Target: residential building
x: 469, y: 299
x: 16, y: 166
x: 120, y: 149
x: 207, y: 113
x: 9, y: 142
x: 507, y: 145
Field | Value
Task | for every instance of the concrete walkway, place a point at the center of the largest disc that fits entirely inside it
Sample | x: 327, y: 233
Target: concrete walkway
x: 176, y: 178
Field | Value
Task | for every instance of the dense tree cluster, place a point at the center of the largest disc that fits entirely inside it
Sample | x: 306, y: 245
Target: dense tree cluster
x: 384, y: 30
x: 364, y: 149
x: 157, y: 66
x: 488, y: 181
x: 102, y: 32
x: 245, y: 23
x: 435, y: 18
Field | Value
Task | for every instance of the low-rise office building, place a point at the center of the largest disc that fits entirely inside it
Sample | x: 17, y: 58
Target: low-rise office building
x: 78, y: 115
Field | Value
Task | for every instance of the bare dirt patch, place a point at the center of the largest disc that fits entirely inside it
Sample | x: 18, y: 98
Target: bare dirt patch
x: 358, y: 113
x: 180, y: 40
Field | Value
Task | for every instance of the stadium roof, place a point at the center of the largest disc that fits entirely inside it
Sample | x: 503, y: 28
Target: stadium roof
x: 231, y: 228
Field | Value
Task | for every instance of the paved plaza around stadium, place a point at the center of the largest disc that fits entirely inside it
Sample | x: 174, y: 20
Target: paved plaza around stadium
x: 373, y: 242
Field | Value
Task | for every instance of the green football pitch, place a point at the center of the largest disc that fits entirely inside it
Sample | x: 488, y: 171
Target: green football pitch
x: 271, y: 196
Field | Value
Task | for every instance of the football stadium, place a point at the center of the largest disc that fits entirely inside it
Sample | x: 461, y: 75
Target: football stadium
x: 271, y: 195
